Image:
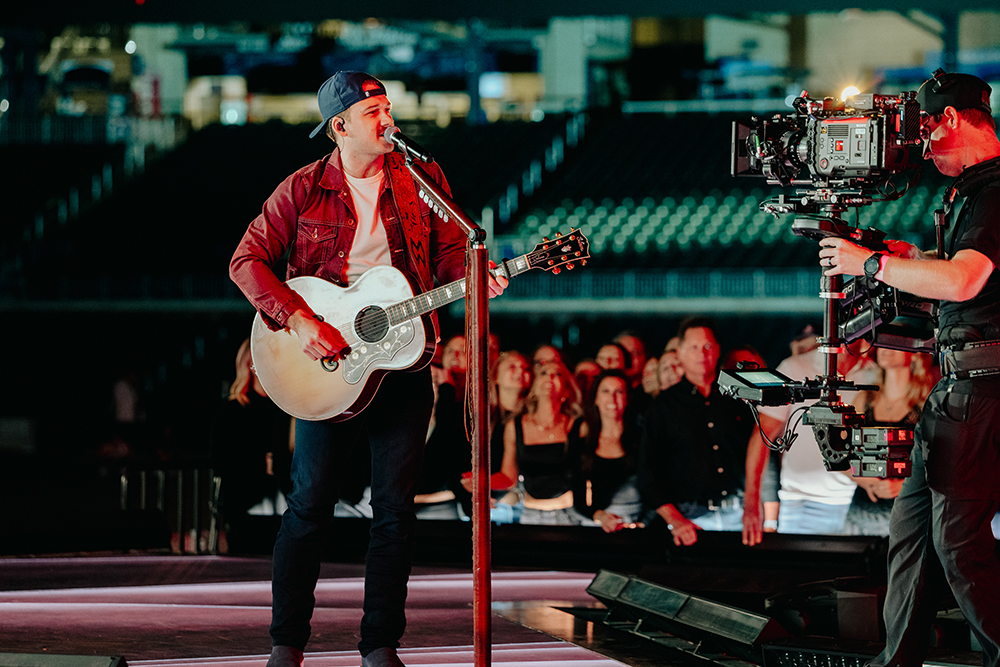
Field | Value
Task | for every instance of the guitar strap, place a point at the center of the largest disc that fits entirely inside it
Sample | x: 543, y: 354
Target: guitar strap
x: 415, y: 237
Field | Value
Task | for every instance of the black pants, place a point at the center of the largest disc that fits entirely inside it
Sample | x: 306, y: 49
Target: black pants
x: 940, y: 529
x: 396, y: 423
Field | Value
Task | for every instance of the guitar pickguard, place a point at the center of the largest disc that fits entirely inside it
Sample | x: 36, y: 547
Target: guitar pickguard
x: 365, y: 354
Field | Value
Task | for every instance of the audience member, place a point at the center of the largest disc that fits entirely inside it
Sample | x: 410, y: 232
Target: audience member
x: 812, y: 499
x: 743, y: 354
x: 447, y: 452
x: 805, y: 340
x: 605, y: 488
x: 650, y: 381
x: 545, y: 353
x: 612, y: 355
x: 251, y: 450
x: 636, y: 350
x: 670, y: 366
x: 511, y: 378
x: 536, y: 448
x: 905, y: 381
x: 455, y: 363
x: 693, y: 447
x: 585, y: 372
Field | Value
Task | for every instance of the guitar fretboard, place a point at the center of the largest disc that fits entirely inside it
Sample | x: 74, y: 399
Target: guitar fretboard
x: 442, y: 296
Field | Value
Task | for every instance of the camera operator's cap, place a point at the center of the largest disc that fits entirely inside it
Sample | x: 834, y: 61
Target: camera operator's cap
x: 343, y: 90
x: 962, y: 91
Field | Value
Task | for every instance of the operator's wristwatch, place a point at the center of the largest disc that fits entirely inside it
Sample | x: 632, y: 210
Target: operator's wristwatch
x: 872, y: 264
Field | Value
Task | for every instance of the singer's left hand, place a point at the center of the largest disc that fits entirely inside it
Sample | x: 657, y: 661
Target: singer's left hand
x: 497, y: 284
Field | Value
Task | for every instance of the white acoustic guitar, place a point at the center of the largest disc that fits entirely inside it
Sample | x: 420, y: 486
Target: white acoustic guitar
x: 383, y: 322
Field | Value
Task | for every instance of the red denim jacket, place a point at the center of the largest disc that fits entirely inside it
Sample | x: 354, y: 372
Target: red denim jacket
x: 311, y: 217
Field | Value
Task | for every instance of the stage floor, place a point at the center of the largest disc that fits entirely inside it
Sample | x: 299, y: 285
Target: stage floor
x: 175, y: 611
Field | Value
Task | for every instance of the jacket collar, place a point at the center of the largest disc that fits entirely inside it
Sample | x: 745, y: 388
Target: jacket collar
x: 333, y: 170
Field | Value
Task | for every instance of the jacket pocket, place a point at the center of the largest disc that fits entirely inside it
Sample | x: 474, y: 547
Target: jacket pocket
x: 314, y: 241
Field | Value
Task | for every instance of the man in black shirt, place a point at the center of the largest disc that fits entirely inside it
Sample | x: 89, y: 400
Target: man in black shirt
x: 940, y: 528
x: 694, y: 444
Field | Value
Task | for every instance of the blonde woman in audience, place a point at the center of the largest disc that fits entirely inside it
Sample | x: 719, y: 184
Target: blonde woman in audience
x: 905, y: 380
x: 537, y: 449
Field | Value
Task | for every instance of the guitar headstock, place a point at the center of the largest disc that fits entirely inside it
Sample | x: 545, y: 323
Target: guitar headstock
x: 565, y: 250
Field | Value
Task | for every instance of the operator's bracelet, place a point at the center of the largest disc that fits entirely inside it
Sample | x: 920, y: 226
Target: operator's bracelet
x: 771, y: 523
x: 881, y: 267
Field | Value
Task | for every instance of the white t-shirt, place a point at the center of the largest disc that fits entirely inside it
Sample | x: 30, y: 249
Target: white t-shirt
x: 803, y: 476
x: 371, y: 245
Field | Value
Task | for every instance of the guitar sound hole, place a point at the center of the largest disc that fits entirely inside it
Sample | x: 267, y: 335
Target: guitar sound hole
x: 372, y: 323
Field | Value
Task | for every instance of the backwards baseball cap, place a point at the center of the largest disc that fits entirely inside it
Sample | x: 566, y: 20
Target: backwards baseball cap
x: 962, y: 91
x: 341, y: 91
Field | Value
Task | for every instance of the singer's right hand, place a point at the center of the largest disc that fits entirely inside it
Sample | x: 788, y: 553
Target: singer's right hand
x: 318, y: 340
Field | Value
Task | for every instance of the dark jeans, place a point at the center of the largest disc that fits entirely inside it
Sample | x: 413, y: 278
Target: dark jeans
x: 939, y: 538
x: 396, y: 424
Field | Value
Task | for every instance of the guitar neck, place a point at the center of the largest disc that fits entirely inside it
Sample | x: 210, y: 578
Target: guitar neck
x: 442, y: 296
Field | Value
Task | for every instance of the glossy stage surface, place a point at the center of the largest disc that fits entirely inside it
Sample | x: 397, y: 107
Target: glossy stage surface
x: 162, y: 611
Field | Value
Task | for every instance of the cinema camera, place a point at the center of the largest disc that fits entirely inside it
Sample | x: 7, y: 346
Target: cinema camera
x: 841, y: 155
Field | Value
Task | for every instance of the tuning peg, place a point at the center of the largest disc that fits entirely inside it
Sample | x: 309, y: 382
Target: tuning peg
x: 570, y: 266
x: 583, y: 262
x: 556, y: 271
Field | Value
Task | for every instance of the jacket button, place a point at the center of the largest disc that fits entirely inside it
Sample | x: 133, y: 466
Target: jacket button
x: 340, y: 254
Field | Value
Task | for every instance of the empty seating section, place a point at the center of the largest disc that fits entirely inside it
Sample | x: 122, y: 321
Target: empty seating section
x: 726, y: 228
x: 186, y: 213
x: 656, y: 191
x: 649, y: 191
x: 482, y: 161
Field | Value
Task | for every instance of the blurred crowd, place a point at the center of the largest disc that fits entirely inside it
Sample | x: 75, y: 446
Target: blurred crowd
x: 618, y: 440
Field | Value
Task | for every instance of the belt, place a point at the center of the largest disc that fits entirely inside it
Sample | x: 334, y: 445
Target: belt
x: 971, y: 360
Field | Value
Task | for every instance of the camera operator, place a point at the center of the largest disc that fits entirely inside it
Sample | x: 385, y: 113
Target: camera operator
x: 940, y: 527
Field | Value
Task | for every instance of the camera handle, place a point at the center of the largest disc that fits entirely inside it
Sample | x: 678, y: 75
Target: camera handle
x: 818, y: 227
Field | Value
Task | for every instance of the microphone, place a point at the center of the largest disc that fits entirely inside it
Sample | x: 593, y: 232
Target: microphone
x: 406, y: 145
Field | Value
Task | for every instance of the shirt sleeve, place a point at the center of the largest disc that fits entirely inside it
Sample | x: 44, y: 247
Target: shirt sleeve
x: 983, y: 233
x: 265, y: 242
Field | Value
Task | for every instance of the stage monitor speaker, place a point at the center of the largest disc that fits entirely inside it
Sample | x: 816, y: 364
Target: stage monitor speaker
x: 683, y: 615
x: 57, y: 660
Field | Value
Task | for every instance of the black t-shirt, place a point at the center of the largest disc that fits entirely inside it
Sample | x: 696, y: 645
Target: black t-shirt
x: 977, y: 228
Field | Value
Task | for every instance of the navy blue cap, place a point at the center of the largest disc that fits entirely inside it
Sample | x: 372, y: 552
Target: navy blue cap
x: 961, y: 91
x: 341, y: 91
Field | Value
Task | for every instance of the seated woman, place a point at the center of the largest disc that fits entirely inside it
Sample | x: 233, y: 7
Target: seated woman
x: 537, y: 449
x: 905, y: 381
x: 605, y: 487
x: 251, y: 447
x: 510, y: 380
x: 446, y: 453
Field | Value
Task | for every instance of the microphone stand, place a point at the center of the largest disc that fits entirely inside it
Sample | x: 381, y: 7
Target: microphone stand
x: 477, y: 346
